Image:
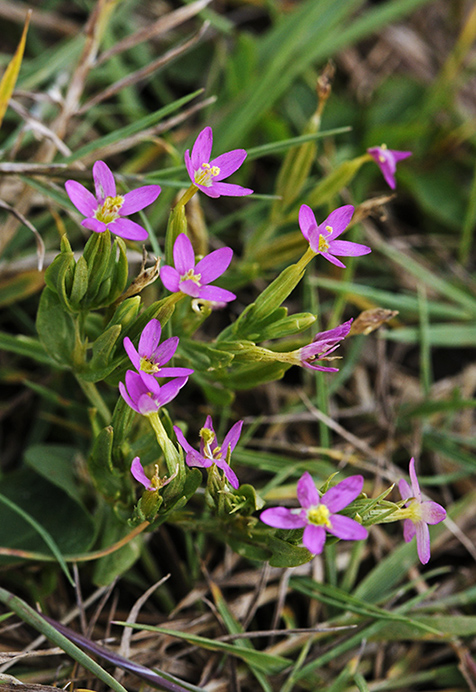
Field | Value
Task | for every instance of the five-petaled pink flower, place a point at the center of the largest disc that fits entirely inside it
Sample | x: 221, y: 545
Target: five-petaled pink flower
x: 151, y: 357
x: 210, y: 453
x: 318, y: 514
x: 107, y: 209
x: 322, y: 238
x: 191, y: 278
x: 386, y: 160
x: 422, y: 513
x: 207, y: 175
x: 323, y: 344
x: 144, y: 394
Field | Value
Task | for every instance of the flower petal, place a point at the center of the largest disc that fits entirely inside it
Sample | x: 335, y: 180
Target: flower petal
x: 190, y: 288
x: 104, y: 181
x: 307, y: 221
x: 209, y: 190
x: 184, y: 256
x: 409, y: 530
x: 214, y: 265
x: 94, y: 225
x: 229, y: 190
x: 230, y: 475
x: 216, y: 295
x: 170, y: 390
x: 400, y: 155
x: 228, y: 163
x: 125, y: 395
x: 181, y: 440
x: 343, y: 493
x: 170, y: 278
x: 423, y: 541
x: 137, y: 471
x: 162, y: 353
x: 432, y: 512
x: 347, y: 528
x: 188, y: 164
x: 149, y: 339
x: 338, y: 220
x: 138, y: 199
x: 83, y: 200
x: 307, y: 493
x: 314, y: 538
x: 232, y: 437
x: 174, y: 372
x: 413, y: 477
x: 405, y: 491
x: 282, y: 518
x: 132, y: 353
x: 346, y: 248
x: 127, y: 229
x: 331, y: 258
x: 202, y: 148
x: 193, y: 458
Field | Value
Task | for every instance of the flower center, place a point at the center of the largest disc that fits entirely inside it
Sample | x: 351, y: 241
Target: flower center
x: 191, y: 276
x: 205, y: 174
x: 110, y: 209
x: 381, y: 157
x: 414, y: 510
x: 319, y: 516
x: 323, y: 244
x: 149, y: 366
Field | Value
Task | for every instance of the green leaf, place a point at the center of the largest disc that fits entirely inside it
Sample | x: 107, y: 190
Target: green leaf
x: 55, y: 463
x: 55, y: 327
x: 268, y: 663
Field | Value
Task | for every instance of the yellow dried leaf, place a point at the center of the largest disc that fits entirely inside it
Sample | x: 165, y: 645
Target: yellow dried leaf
x: 9, y: 78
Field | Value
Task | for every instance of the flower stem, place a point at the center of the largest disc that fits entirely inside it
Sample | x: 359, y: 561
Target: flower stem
x: 92, y: 393
x: 187, y: 196
x: 172, y: 457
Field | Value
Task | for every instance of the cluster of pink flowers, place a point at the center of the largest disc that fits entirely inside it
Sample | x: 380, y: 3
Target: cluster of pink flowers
x: 317, y: 515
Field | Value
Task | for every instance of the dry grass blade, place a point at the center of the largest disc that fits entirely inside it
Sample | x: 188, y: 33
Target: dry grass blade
x: 39, y: 128
x: 161, y: 26
x: 146, y: 71
x: 40, y: 246
x: 15, y: 11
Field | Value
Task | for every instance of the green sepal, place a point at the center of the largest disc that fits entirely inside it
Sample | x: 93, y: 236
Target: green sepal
x: 100, y: 365
x: 60, y: 273
x: 177, y: 224
x: 246, y: 500
x: 97, y: 254
x: 80, y: 283
x: 205, y: 357
x: 287, y: 326
x: 121, y: 270
x: 126, y: 312
x: 105, y: 477
x: 121, y: 422
x: 147, y: 508
x: 55, y: 327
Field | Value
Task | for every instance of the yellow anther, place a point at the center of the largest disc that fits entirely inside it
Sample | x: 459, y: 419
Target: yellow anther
x: 319, y: 516
x: 205, y: 174
x: 149, y: 366
x: 110, y: 209
x: 329, y: 229
x: 191, y: 276
x: 323, y: 244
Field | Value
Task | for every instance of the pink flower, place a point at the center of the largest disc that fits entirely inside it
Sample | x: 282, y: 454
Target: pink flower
x: 193, y: 279
x: 422, y: 513
x: 323, y: 239
x: 386, y: 160
x: 107, y: 209
x: 151, y: 356
x: 318, y: 514
x: 323, y: 344
x: 154, y: 483
x: 143, y: 393
x: 206, y: 174
x: 210, y: 453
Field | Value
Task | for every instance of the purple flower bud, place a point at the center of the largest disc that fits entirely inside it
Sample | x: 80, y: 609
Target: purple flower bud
x: 322, y: 345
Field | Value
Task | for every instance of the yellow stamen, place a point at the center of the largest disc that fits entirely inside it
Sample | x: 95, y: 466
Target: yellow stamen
x: 205, y: 174
x: 323, y: 244
x: 110, y: 209
x: 191, y: 276
x: 329, y: 229
x: 149, y: 366
x: 319, y: 516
